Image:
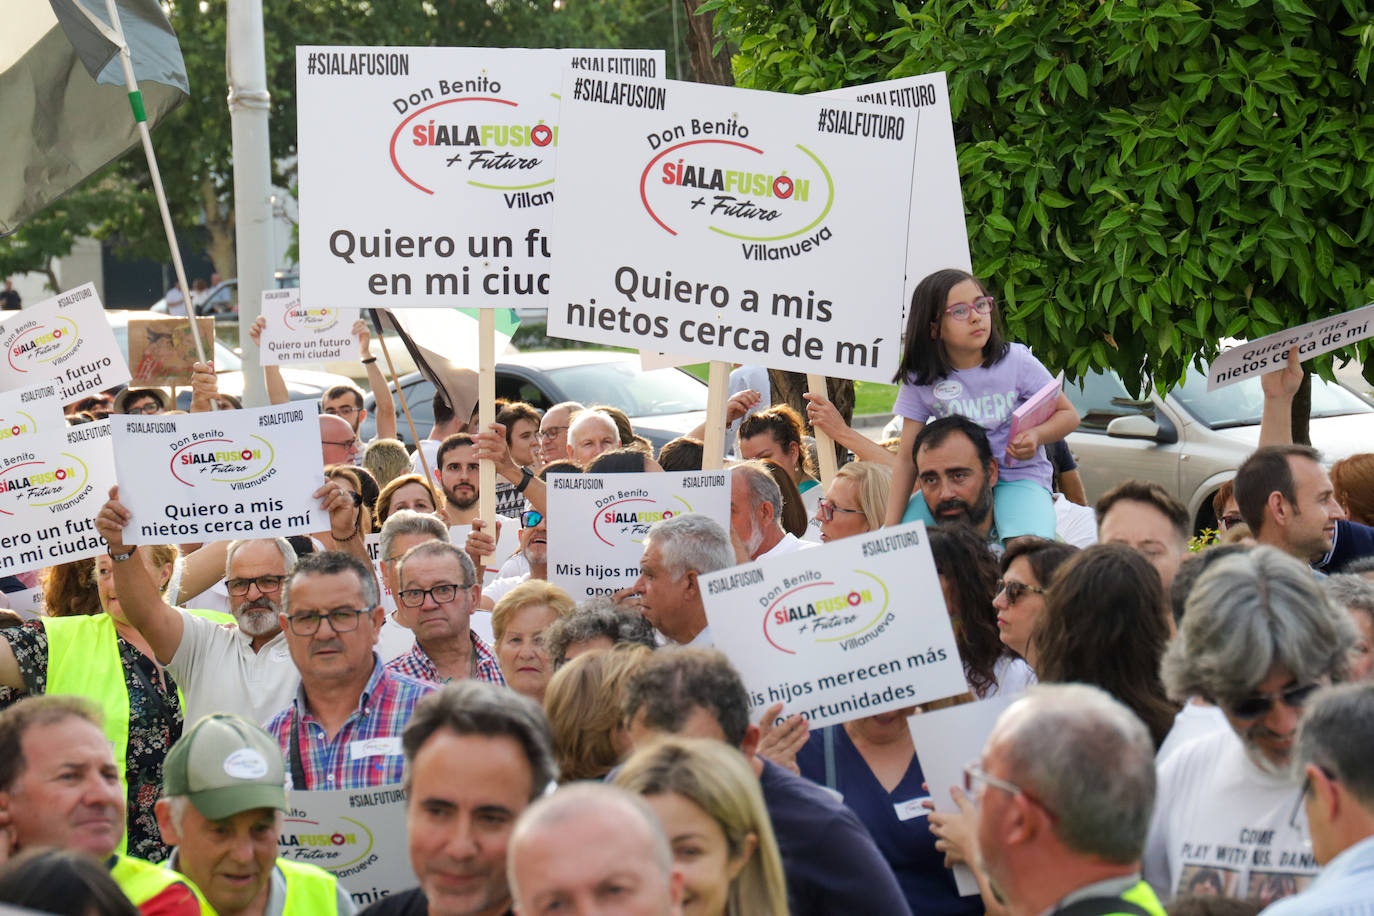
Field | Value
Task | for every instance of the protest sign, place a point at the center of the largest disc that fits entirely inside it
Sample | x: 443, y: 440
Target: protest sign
x: 731, y: 225
x: 852, y: 628
x: 357, y: 835
x: 66, y: 340
x: 435, y: 189
x: 299, y: 335
x: 1312, y: 339
x: 947, y: 740
x: 598, y: 522
x: 52, y: 483
x: 214, y: 476
x: 936, y: 236
x: 30, y: 410
x: 161, y: 350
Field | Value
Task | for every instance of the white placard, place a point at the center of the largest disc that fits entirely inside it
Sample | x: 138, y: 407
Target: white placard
x: 734, y: 225
x: 215, y: 476
x: 30, y: 410
x: 358, y: 835
x: 301, y: 335
x: 427, y: 174
x: 947, y: 740
x: 1312, y: 339
x: 65, y: 339
x: 937, y: 237
x: 51, y: 486
x: 598, y: 522
x: 849, y: 629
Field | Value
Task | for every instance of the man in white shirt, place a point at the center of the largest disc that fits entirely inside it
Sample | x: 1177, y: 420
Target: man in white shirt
x: 677, y: 551
x: 1257, y: 639
x: 756, y: 513
x: 1334, y: 738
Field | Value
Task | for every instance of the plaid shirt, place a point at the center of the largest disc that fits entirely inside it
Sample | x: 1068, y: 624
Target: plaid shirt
x: 366, y: 751
x: 417, y: 664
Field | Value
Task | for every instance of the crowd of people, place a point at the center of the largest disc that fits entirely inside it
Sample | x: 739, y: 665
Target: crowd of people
x: 1186, y: 730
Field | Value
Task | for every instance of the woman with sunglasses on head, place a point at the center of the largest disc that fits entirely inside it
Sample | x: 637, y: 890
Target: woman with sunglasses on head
x: 956, y: 362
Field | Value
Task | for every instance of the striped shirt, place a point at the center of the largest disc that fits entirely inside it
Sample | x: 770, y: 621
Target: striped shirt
x: 418, y: 665
x: 366, y: 751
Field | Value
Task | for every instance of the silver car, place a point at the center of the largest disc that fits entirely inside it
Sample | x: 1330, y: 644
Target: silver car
x: 1192, y: 440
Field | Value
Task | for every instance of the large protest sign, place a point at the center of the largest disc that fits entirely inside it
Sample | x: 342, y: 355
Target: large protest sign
x: 936, y: 237
x: 30, y: 410
x: 162, y: 350
x: 947, y: 740
x: 727, y: 224
x: 436, y: 186
x: 598, y: 522
x: 852, y: 628
x: 66, y: 340
x: 52, y: 483
x: 299, y: 335
x: 1312, y: 339
x: 357, y: 835
x: 215, y: 476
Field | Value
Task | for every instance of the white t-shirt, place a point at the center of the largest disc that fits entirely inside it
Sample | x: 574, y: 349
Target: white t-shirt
x: 811, y: 501
x: 1074, y: 524
x: 430, y: 448
x: 1222, y: 823
x: 790, y: 543
x: 1013, y: 676
x: 1193, y: 721
x: 218, y: 671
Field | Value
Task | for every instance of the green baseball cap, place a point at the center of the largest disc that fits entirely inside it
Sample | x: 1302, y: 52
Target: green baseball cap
x: 225, y: 764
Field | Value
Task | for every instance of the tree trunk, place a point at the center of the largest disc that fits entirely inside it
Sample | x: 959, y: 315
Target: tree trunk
x: 51, y: 274
x: 788, y: 388
x: 219, y: 223
x: 701, y: 39
x: 1302, y: 411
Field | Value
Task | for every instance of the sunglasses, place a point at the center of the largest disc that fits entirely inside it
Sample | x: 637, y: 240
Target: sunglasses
x: 1227, y: 522
x: 825, y: 510
x: 1015, y: 590
x: 530, y: 517
x: 1253, y: 707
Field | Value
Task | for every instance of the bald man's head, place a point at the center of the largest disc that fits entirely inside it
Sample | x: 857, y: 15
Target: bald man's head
x: 569, y: 845
x: 338, y: 440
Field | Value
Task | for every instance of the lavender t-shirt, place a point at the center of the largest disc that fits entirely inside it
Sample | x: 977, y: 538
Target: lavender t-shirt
x: 987, y: 397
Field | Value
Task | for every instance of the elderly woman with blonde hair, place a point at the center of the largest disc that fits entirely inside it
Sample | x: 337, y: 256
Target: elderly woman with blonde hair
x: 518, y: 623
x: 583, y: 706
x: 708, y: 800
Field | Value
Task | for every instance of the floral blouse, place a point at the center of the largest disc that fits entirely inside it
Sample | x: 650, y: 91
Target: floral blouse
x: 155, y: 722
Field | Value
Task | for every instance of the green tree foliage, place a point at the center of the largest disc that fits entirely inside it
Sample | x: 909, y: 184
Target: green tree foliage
x: 1142, y: 179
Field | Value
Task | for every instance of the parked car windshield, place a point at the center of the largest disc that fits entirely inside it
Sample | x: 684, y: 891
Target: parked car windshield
x: 654, y: 393
x: 1242, y: 403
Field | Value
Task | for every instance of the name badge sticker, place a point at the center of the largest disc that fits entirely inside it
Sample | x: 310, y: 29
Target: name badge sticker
x: 910, y: 808
x: 374, y: 747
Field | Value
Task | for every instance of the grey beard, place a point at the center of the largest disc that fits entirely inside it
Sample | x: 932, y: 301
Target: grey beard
x: 256, y: 620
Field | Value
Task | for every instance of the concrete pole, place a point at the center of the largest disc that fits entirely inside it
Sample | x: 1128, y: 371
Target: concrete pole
x: 249, y: 103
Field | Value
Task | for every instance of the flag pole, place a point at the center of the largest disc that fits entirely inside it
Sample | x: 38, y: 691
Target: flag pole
x: 115, y: 32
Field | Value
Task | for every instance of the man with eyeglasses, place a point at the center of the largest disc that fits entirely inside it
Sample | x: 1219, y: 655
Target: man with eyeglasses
x: 338, y: 442
x: 438, y: 593
x: 1258, y: 638
x: 1337, y: 801
x: 1063, y: 795
x: 553, y: 432
x: 343, y: 728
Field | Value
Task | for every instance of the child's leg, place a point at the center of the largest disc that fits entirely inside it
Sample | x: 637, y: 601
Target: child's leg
x: 917, y: 510
x: 1022, y: 507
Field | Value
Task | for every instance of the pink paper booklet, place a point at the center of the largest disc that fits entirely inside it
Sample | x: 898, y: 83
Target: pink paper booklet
x: 1038, y: 408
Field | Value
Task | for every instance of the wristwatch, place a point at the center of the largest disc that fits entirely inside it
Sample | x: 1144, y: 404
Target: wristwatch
x: 526, y: 475
x: 121, y: 557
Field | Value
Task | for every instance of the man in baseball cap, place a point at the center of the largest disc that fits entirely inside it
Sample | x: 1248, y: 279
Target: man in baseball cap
x: 223, y: 794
